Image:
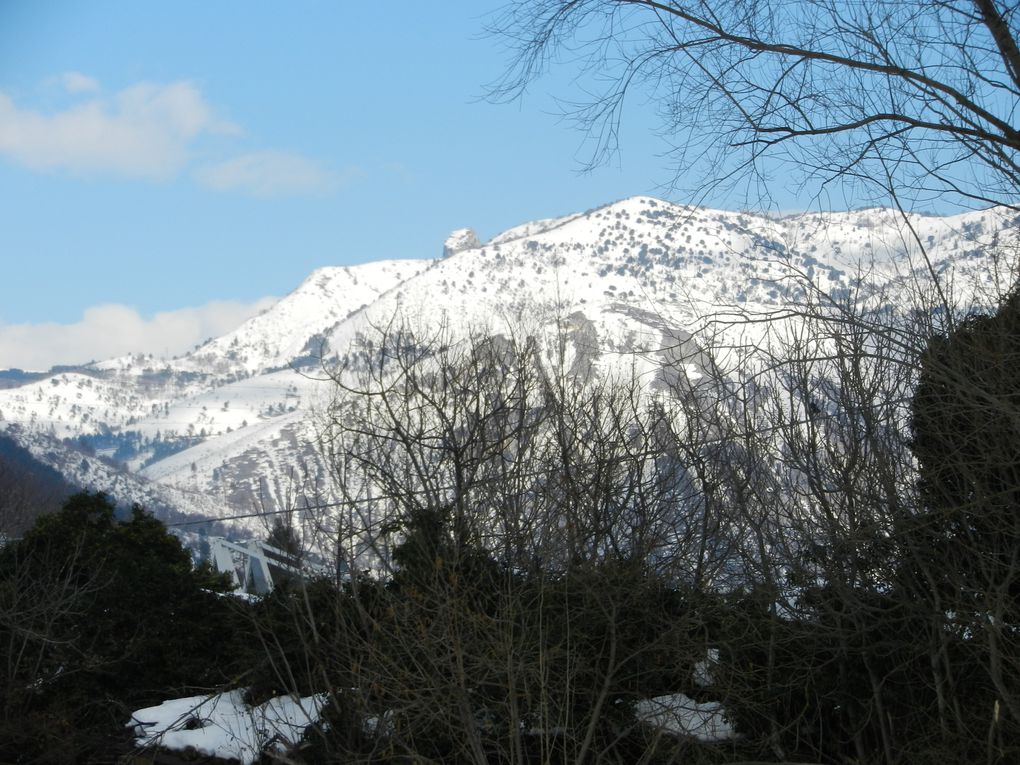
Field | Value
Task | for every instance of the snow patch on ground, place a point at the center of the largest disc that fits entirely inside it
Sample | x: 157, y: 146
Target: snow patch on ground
x: 222, y: 725
x: 683, y: 716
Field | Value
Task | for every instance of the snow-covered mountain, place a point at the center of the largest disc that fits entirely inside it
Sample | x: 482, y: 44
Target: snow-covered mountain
x: 230, y: 425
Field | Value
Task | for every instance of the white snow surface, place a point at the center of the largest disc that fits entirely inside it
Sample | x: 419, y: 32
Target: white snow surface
x: 218, y: 426
x: 681, y: 715
x: 222, y: 725
x: 533, y: 228
x: 283, y: 331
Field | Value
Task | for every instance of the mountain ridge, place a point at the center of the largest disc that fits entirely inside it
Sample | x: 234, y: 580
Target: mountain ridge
x: 232, y: 421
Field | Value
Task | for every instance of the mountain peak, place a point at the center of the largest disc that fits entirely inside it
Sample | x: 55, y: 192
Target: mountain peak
x: 228, y: 424
x: 460, y: 240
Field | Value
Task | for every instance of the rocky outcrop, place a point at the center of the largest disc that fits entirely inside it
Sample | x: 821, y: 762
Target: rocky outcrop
x: 460, y: 240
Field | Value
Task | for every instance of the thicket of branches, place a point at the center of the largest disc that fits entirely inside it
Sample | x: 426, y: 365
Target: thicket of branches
x: 100, y: 616
x: 823, y: 539
x: 530, y: 548
x: 906, y: 102
x: 535, y: 547
x: 533, y: 551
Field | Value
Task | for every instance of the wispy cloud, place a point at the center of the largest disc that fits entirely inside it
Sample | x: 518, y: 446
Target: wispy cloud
x: 106, y: 331
x: 270, y: 174
x: 149, y: 131
x: 76, y: 82
x: 143, y: 131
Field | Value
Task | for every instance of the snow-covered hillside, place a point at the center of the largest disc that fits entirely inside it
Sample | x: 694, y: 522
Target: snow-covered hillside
x: 231, y: 424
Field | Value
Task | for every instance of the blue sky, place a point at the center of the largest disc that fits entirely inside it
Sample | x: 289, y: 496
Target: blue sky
x: 163, y: 156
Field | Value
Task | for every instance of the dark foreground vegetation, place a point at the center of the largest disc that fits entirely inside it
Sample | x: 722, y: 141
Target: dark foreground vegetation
x: 28, y: 489
x: 98, y: 617
x: 524, y: 555
x: 535, y: 553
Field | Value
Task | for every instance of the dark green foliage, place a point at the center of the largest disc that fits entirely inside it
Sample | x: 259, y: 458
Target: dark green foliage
x: 535, y: 664
x: 284, y: 537
x: 961, y: 552
x: 845, y: 678
x: 888, y: 634
x: 434, y: 559
x: 28, y: 489
x: 118, y: 619
x: 292, y: 630
x: 966, y: 435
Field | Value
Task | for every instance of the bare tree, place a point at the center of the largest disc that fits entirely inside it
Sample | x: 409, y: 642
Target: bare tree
x: 523, y: 540
x: 506, y: 522
x: 910, y: 100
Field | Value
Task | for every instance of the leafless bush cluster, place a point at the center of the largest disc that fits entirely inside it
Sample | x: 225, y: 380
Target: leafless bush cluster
x: 528, y: 553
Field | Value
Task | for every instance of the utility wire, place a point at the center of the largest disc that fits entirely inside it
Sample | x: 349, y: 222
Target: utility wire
x: 649, y: 454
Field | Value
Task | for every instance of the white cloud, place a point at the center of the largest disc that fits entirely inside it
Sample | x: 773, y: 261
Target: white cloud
x: 269, y: 174
x: 148, y: 131
x: 106, y: 331
x: 143, y: 131
x: 76, y: 82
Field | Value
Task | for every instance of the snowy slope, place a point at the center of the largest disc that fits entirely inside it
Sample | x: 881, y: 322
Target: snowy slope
x: 142, y: 390
x: 290, y: 329
x: 231, y: 424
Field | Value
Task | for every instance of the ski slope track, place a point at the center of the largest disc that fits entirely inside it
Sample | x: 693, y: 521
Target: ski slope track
x: 231, y: 426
